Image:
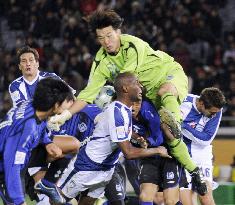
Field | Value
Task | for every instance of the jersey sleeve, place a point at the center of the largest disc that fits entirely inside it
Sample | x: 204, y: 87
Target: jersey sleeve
x: 97, y: 79
x: 119, y: 130
x: 152, y: 120
x: 205, y: 136
x: 15, y: 156
x: 45, y: 137
x: 15, y: 95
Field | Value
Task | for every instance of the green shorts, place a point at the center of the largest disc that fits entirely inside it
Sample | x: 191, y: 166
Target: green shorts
x: 177, y: 77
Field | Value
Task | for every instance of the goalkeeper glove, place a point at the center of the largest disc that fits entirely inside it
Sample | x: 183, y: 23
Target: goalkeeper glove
x: 56, y: 121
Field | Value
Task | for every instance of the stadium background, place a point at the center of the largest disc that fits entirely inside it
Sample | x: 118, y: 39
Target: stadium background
x: 200, y: 34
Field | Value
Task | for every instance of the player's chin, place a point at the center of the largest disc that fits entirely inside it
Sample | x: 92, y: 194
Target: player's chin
x: 138, y: 98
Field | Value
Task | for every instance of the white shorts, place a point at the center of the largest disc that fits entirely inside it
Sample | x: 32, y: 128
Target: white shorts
x: 73, y: 182
x: 207, y: 172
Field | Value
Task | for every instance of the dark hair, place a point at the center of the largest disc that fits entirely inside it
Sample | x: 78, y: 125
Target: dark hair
x: 104, y: 18
x: 212, y: 97
x: 50, y: 91
x: 27, y: 49
x: 121, y: 80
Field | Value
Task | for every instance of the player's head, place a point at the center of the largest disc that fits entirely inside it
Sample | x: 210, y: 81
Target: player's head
x: 136, y: 108
x: 106, y: 24
x: 28, y: 61
x: 105, y: 96
x: 127, y: 86
x: 52, y: 94
x: 211, y: 101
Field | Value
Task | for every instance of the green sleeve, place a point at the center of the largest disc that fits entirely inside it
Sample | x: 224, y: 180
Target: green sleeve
x: 97, y: 79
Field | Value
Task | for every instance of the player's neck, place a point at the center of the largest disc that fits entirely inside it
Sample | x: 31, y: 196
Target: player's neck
x: 30, y: 78
x: 125, y: 101
x: 41, y: 115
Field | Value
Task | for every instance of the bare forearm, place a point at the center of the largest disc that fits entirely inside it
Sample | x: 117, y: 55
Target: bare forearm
x: 77, y: 106
x: 134, y: 153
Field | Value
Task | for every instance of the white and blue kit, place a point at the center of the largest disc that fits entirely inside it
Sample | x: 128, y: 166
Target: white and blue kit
x: 21, y: 89
x: 81, y: 126
x: 95, y: 162
x: 20, y: 132
x: 198, y: 132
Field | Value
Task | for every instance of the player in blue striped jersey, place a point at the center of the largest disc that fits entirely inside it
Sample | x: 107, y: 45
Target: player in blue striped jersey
x: 95, y: 162
x: 23, y: 87
x: 23, y: 129
x: 81, y: 125
x: 201, y: 119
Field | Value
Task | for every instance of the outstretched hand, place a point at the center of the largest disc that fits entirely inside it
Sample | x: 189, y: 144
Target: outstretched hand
x: 56, y: 121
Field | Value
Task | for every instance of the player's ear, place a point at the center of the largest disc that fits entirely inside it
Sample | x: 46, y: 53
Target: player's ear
x: 55, y: 108
x: 19, y: 66
x: 125, y: 88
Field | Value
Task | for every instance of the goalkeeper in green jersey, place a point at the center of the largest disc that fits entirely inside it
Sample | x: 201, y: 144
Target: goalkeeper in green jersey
x: 163, y: 79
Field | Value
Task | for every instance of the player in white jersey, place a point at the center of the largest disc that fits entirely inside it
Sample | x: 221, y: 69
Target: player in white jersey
x: 95, y: 162
x: 201, y: 118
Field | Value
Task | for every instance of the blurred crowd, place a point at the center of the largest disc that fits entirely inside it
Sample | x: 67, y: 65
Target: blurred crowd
x: 191, y: 31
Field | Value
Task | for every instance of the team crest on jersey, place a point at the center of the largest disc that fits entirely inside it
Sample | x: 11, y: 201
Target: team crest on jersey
x: 193, y: 124
x: 118, y: 187
x: 82, y: 127
x: 169, y: 77
x: 15, y: 95
x: 114, y: 70
x: 170, y: 175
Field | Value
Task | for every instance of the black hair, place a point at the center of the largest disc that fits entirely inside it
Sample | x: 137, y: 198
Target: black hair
x: 50, y: 91
x: 104, y: 18
x: 121, y: 80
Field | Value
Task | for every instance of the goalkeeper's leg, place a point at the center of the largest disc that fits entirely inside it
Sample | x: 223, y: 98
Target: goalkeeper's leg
x: 178, y: 148
x: 180, y: 151
x: 169, y: 99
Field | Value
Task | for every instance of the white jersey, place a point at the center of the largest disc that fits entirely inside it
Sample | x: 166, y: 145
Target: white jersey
x: 198, y: 130
x: 102, y: 152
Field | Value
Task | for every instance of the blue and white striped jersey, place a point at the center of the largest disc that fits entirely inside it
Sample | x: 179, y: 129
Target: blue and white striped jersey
x: 20, y: 132
x: 102, y: 152
x: 149, y: 124
x: 21, y: 89
x: 198, y: 130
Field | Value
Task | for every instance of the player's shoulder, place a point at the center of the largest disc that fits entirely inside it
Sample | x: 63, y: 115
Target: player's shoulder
x: 44, y: 74
x: 129, y: 40
x: 190, y: 98
x: 91, y: 110
x: 16, y: 82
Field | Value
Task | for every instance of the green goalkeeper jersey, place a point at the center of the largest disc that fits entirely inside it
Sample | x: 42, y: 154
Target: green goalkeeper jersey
x: 135, y: 55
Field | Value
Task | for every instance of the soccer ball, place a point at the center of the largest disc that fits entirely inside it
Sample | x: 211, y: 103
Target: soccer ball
x: 105, y: 96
